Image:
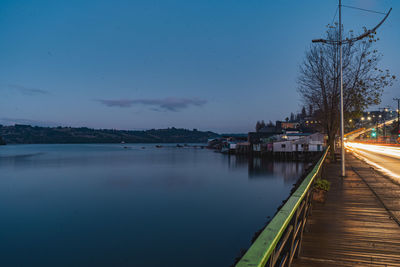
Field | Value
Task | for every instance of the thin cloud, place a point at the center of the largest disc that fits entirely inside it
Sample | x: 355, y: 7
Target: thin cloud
x: 28, y: 90
x: 121, y: 103
x: 170, y: 104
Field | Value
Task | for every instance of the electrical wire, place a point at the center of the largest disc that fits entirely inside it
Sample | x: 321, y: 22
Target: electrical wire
x: 337, y: 8
x: 363, y: 9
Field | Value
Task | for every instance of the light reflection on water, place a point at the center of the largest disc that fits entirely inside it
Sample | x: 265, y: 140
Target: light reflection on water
x: 104, y: 205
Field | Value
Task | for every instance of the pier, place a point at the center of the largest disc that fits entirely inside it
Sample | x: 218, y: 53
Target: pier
x: 357, y: 225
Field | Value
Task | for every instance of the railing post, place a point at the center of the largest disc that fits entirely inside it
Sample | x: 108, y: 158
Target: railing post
x: 304, y: 220
x: 271, y: 258
x: 310, y: 192
x: 292, y: 247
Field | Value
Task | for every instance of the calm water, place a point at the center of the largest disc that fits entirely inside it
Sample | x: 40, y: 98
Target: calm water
x: 103, y: 205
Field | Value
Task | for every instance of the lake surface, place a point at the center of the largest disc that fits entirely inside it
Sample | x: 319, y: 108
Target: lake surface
x: 103, y: 205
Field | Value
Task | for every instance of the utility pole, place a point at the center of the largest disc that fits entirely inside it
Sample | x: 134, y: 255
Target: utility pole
x: 383, y: 119
x: 341, y: 94
x: 384, y: 110
x: 340, y: 42
x: 398, y: 114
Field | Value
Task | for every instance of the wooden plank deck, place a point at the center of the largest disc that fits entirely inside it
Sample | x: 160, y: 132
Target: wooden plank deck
x: 358, y: 225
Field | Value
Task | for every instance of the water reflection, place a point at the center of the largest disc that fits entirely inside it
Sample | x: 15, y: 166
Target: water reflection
x: 265, y: 168
x: 103, y: 205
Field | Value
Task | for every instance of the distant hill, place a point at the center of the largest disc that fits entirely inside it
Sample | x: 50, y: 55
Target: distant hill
x: 26, y: 134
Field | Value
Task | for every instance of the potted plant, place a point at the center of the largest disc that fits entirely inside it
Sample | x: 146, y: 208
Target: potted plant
x: 321, y: 186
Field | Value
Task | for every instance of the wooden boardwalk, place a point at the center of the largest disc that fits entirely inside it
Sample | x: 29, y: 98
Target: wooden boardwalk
x: 358, y: 225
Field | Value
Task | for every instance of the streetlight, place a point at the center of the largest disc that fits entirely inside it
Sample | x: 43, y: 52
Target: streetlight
x: 362, y: 118
x: 340, y: 42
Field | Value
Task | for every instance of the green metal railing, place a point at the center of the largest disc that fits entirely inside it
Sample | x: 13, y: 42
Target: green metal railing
x: 272, y: 247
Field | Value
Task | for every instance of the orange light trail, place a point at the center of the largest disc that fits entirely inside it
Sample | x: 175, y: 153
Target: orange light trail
x: 383, y: 150
x: 359, y: 150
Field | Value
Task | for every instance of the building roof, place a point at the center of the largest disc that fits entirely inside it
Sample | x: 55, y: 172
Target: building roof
x: 298, y: 134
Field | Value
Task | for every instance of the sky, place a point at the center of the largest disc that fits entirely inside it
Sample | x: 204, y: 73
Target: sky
x: 142, y: 64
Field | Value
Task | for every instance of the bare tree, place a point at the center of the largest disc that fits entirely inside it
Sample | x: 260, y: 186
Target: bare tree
x: 363, y: 81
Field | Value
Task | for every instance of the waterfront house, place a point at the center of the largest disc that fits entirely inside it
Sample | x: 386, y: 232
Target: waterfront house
x: 300, y: 143
x: 283, y: 146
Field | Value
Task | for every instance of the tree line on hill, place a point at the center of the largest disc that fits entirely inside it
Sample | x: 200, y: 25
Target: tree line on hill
x: 26, y: 134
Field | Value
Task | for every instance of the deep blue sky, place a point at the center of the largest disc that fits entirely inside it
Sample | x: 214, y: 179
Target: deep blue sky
x: 212, y: 65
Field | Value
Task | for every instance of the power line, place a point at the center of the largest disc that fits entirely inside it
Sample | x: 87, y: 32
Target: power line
x: 363, y: 9
x: 365, y: 34
x: 335, y: 15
